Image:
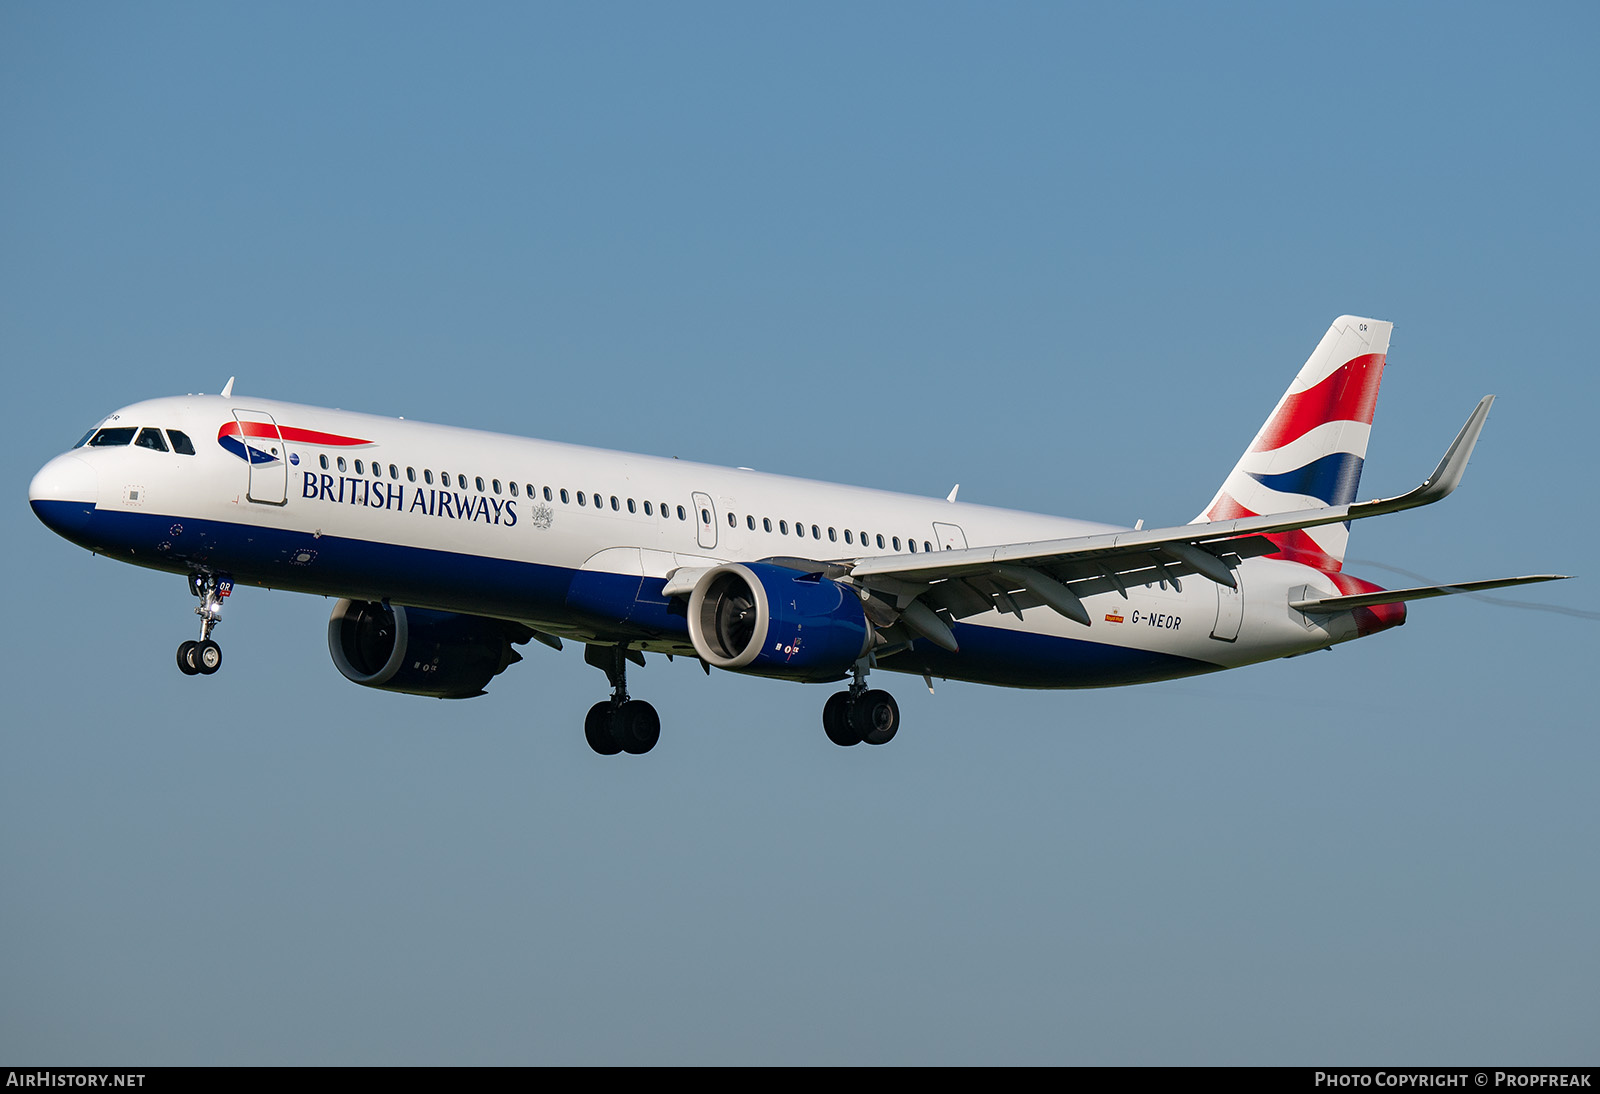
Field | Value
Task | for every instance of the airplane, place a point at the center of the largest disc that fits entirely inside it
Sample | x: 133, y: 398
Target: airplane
x: 448, y: 547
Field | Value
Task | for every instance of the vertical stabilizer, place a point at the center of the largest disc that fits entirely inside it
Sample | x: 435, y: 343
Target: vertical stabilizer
x: 1310, y: 450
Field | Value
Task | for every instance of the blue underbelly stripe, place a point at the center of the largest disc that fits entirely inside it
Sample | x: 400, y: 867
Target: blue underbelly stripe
x: 627, y: 607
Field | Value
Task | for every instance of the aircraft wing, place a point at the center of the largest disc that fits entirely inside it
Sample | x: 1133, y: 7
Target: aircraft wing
x: 1059, y: 573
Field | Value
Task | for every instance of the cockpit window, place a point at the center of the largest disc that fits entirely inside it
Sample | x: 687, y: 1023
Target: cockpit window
x: 83, y: 440
x: 151, y: 439
x: 181, y: 444
x: 113, y: 437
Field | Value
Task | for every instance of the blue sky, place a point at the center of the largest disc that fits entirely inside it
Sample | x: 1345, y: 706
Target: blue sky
x: 1066, y: 256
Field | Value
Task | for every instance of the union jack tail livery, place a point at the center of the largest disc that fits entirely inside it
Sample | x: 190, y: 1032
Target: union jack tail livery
x: 1310, y: 450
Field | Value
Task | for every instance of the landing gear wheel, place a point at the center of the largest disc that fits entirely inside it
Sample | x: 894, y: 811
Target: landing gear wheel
x: 597, y: 728
x: 186, y: 661
x: 207, y: 657
x: 836, y: 720
x: 623, y: 724
x: 637, y: 727
x: 876, y: 716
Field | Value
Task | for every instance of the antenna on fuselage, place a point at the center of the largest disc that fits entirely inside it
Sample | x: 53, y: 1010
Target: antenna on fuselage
x: 953, y: 490
x: 227, y: 388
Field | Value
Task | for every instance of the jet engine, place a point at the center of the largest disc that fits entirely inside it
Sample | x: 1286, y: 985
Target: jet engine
x: 420, y: 652
x: 773, y: 621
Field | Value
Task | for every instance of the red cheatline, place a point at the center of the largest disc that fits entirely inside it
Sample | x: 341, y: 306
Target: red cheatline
x: 288, y: 433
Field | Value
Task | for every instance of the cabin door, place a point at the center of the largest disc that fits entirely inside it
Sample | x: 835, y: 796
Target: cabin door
x: 705, y: 516
x: 264, y: 451
x: 1230, y: 610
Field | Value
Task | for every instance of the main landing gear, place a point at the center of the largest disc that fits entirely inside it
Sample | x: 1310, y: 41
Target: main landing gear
x: 205, y: 656
x: 861, y: 714
x: 619, y: 724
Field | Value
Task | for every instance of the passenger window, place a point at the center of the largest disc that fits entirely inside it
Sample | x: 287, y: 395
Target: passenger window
x: 815, y: 532
x: 513, y: 488
x: 479, y: 481
x: 896, y: 543
x: 183, y: 446
x: 323, y: 460
x: 360, y: 468
x: 547, y: 496
x: 733, y: 521
x: 563, y: 495
x: 880, y: 540
x: 411, y: 474
x: 394, y: 472
x: 750, y: 523
x: 113, y: 438
x: 632, y: 508
x: 847, y: 537
x: 649, y: 512
x: 911, y: 543
x: 151, y: 439
x: 681, y: 514
x: 616, y: 506
x: 427, y: 476
x: 926, y: 546
x: 783, y: 527
x: 496, y: 484
x: 580, y: 497
x: 833, y: 536
x: 341, y: 463
x: 766, y: 523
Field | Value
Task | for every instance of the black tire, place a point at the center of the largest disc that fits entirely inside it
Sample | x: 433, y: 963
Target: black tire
x: 207, y: 657
x: 876, y: 716
x: 836, y: 720
x: 638, y: 727
x: 597, y: 728
x: 186, y: 661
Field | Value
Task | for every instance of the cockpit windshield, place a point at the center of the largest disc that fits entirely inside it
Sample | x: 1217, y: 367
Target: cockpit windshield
x: 147, y: 437
x: 113, y: 437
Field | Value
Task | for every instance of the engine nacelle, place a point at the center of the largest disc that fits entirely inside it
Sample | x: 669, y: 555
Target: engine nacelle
x: 417, y: 651
x: 772, y: 621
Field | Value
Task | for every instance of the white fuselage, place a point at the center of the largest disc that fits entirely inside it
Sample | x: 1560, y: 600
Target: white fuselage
x: 577, y: 542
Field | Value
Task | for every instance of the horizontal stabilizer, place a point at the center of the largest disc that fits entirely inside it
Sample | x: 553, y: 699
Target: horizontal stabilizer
x: 1329, y: 605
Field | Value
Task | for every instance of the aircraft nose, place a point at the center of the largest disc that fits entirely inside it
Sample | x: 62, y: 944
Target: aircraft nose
x: 63, y: 495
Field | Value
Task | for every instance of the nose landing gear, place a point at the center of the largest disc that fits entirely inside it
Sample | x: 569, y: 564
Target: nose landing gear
x: 205, y: 656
